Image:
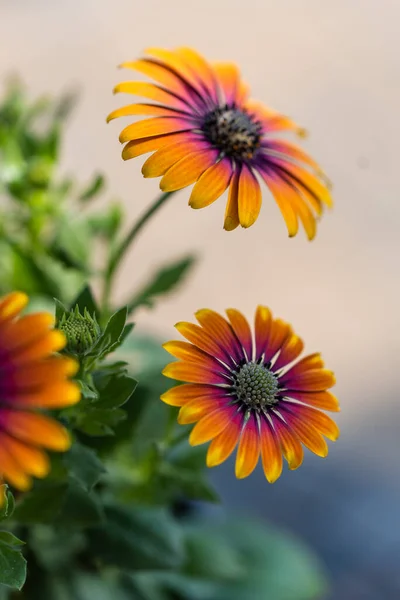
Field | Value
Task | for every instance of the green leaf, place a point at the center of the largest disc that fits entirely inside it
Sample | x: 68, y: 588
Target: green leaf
x: 111, y: 337
x: 85, y: 299
x: 9, y: 539
x: 93, y: 189
x: 138, y: 538
x: 84, y: 465
x: 116, y: 392
x: 187, y: 483
x: 99, y: 421
x: 73, y: 239
x: 42, y: 504
x: 80, y: 508
x: 60, y: 310
x: 12, y: 567
x: 165, y: 280
x: 272, y: 564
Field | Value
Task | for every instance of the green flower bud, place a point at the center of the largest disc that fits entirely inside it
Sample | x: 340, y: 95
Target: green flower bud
x: 82, y: 331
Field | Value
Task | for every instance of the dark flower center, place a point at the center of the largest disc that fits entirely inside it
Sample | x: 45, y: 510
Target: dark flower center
x: 256, y: 386
x: 233, y: 132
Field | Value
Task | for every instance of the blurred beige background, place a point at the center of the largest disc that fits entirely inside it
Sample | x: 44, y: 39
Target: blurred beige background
x: 333, y: 67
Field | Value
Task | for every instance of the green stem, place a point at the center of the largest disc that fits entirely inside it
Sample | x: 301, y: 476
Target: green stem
x: 121, y: 250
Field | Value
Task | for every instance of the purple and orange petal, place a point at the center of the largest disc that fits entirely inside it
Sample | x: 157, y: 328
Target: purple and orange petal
x: 252, y: 392
x: 236, y: 140
x: 31, y: 378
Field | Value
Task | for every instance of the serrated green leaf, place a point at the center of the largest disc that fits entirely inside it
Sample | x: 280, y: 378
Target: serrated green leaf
x: 12, y: 567
x: 84, y: 465
x: 111, y: 337
x: 162, y: 282
x: 93, y: 189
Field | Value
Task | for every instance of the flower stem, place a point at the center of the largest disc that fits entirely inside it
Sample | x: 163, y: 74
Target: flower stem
x: 120, y: 251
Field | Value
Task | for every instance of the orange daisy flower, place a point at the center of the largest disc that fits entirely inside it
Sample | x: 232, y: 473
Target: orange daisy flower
x: 205, y: 130
x: 31, y: 378
x: 254, y: 393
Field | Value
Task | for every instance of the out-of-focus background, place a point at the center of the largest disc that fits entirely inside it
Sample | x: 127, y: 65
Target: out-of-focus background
x: 335, y: 68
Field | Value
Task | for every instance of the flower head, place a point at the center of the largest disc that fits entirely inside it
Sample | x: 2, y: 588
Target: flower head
x: 81, y: 331
x: 252, y: 393
x: 31, y: 378
x: 205, y: 130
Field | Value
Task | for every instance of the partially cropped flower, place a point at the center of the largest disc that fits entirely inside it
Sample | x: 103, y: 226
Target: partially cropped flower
x: 253, y: 393
x: 205, y: 130
x: 31, y: 378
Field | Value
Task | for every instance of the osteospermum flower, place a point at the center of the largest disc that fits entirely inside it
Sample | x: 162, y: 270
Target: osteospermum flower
x: 251, y: 393
x: 31, y: 378
x: 205, y: 130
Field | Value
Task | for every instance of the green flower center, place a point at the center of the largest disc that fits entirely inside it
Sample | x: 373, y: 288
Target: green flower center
x: 256, y: 385
x: 233, y: 132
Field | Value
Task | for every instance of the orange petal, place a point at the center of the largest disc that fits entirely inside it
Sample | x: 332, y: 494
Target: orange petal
x: 221, y: 331
x: 279, y: 332
x: 37, y: 429
x: 31, y: 460
x: 211, y: 184
x: 306, y: 432
x: 201, y: 68
x: 191, y: 354
x: 271, y: 119
x: 193, y: 373
x: 143, y: 109
x: 291, y: 447
x: 224, y: 444
x: 188, y: 170
x: 175, y: 61
x: 159, y: 162
x: 46, y: 372
x: 308, y: 363
x: 283, y: 194
x: 288, y: 149
x: 12, y: 304
x: 271, y: 453
x: 42, y: 348
x: 249, y: 197
x: 199, y: 407
x: 153, y: 92
x: 211, y: 425
x: 181, y: 394
x: 291, y: 348
x: 262, y: 326
x: 24, y: 331
x: 242, y: 329
x: 153, y: 127
x: 249, y: 449
x: 315, y: 380
x: 228, y: 77
x: 11, y: 470
x: 231, y: 220
x: 199, y: 337
x: 54, y: 395
x: 163, y: 75
x: 137, y: 147
x: 324, y: 400
x: 317, y: 419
